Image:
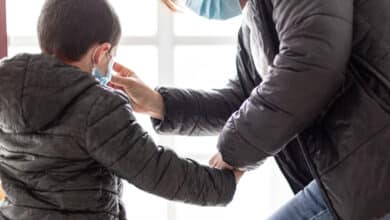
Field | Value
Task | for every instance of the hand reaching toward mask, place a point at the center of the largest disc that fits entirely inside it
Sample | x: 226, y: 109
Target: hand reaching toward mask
x: 143, y: 98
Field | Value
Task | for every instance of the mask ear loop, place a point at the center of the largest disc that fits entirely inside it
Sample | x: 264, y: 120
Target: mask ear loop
x: 93, y: 58
x: 110, y: 67
x: 112, y: 61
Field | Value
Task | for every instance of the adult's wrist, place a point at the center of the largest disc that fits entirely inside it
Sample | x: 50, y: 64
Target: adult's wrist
x: 156, y: 109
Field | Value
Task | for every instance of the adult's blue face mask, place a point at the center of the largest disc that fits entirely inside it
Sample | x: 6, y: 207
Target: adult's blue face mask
x: 215, y: 9
x: 104, y: 79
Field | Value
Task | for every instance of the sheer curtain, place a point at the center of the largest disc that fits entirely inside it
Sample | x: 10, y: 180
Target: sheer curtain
x: 181, y: 50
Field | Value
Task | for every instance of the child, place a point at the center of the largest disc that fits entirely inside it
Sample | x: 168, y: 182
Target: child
x: 66, y: 141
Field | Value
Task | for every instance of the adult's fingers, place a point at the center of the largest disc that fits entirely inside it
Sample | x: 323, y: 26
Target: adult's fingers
x: 213, y: 161
x: 115, y: 86
x: 227, y: 166
x: 119, y: 81
x: 238, y: 174
x: 219, y: 166
x: 122, y: 70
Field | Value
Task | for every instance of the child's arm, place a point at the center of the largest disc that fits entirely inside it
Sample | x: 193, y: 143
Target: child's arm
x: 116, y: 140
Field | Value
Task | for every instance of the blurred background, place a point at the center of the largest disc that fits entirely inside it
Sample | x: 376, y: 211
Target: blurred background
x: 171, y: 49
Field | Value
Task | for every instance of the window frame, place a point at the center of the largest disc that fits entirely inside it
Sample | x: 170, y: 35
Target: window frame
x: 3, y: 30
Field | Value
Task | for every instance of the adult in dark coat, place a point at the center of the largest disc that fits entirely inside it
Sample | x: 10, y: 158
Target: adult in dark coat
x: 322, y: 107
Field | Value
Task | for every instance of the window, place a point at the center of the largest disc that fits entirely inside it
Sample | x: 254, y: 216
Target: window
x: 3, y: 36
x: 176, y: 50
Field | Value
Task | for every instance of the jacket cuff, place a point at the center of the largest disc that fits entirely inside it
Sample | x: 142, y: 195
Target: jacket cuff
x: 166, y: 125
x: 230, y: 189
x: 176, y: 106
x: 238, y: 152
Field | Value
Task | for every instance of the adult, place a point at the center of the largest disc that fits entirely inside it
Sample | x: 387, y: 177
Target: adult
x: 322, y: 108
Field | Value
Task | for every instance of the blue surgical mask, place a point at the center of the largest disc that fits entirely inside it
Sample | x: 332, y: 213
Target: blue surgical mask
x: 215, y: 9
x: 104, y: 79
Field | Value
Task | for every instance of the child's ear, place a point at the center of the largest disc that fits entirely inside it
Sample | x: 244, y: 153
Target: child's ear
x: 101, y: 52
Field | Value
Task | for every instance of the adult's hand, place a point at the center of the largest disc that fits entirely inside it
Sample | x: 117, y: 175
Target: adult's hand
x: 238, y: 174
x: 217, y: 162
x: 243, y: 3
x: 143, y: 98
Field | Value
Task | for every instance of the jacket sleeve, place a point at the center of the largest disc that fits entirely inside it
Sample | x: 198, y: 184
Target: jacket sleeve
x: 315, y: 44
x: 117, y: 141
x: 196, y: 113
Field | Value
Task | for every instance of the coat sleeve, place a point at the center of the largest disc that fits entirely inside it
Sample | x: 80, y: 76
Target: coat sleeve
x: 117, y: 141
x: 315, y: 44
x: 196, y: 113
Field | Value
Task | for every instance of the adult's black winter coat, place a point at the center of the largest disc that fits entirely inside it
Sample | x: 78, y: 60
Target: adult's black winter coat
x: 321, y: 107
